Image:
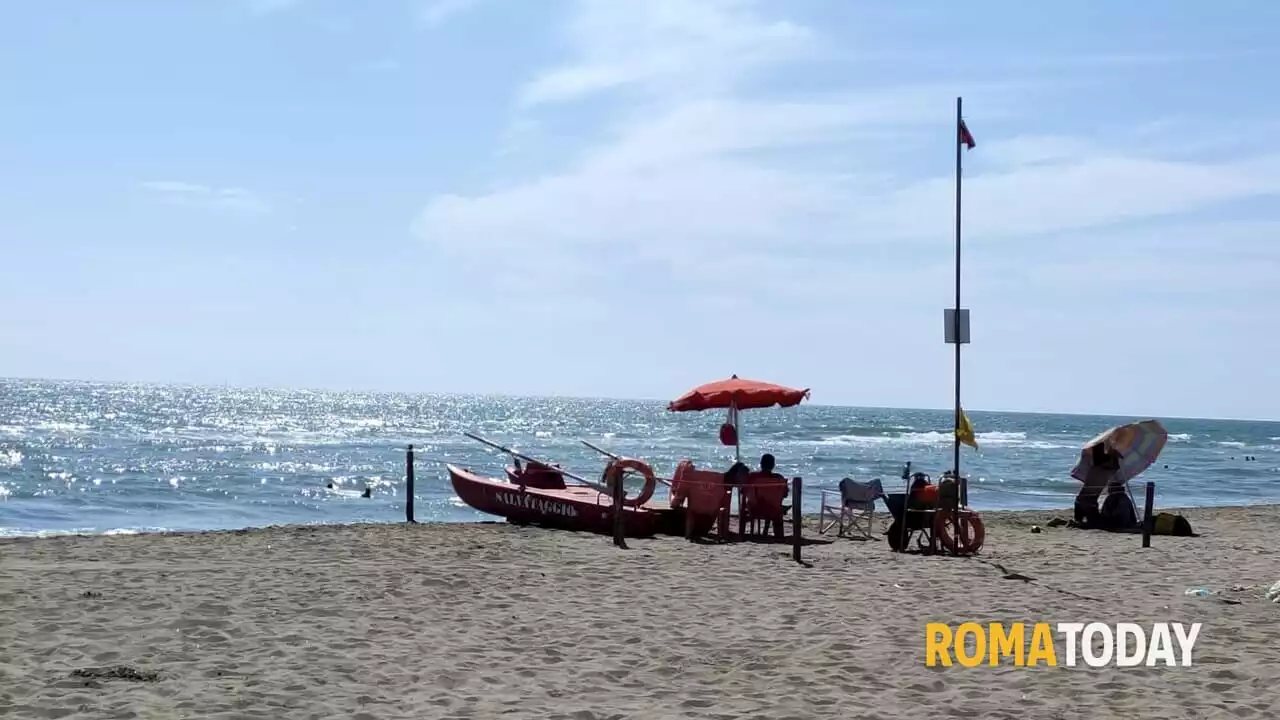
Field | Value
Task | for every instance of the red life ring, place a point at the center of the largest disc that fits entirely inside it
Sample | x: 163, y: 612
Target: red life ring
x: 969, y: 531
x: 977, y: 531
x: 618, y: 468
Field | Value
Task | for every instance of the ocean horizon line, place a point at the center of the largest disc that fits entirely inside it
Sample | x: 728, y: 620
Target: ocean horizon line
x: 596, y: 398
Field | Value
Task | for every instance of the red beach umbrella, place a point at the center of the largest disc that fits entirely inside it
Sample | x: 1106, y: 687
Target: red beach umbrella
x: 739, y: 394
x: 736, y: 394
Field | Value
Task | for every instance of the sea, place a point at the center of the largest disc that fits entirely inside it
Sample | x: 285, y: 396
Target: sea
x: 110, y: 458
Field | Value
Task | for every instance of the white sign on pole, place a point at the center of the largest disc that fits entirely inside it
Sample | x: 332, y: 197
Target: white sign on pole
x: 949, y: 319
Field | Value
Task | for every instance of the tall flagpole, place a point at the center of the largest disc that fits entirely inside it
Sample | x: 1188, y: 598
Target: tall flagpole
x: 956, y: 138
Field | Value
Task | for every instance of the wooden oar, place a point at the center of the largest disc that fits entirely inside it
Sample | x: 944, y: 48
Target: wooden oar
x: 600, y: 450
x: 615, y: 456
x: 595, y: 486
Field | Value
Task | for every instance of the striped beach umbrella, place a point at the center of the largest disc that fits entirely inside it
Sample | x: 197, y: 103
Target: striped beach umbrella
x: 1138, y: 444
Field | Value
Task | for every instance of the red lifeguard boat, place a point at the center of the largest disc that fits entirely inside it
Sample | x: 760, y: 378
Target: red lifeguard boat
x: 537, y: 494
x: 568, y: 508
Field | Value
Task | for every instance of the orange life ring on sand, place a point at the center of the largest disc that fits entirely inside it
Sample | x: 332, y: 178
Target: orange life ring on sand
x: 970, y: 524
x: 969, y: 531
x: 618, y: 468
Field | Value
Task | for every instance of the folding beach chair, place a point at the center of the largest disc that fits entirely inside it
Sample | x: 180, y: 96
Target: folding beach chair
x: 855, y: 513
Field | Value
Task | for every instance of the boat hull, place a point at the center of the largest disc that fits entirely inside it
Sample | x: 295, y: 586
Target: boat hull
x: 569, y: 508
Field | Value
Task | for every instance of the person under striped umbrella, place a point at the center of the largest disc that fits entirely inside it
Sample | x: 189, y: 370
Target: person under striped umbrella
x: 1109, y: 461
x: 1138, y: 445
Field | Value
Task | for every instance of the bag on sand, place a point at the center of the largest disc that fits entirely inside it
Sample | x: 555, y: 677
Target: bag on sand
x: 1169, y: 524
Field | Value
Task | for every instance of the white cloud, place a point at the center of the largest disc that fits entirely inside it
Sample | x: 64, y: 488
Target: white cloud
x: 437, y: 12
x: 653, y: 189
x: 1035, y: 149
x: 1089, y: 191
x: 231, y: 199
x: 664, y: 47
x: 699, y: 170
x: 719, y: 127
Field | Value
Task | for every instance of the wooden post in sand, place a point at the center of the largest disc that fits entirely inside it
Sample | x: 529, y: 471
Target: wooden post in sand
x: 619, y: 520
x: 742, y: 517
x: 1147, y: 518
x: 796, y: 484
x: 408, y: 484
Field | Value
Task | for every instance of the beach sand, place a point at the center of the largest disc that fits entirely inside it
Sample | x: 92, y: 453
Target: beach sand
x: 495, y: 621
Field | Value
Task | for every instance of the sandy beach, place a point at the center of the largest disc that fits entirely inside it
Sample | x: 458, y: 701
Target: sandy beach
x: 489, y: 620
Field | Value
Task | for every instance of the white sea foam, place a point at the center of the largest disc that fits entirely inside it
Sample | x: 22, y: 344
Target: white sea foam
x: 10, y: 459
x: 1180, y: 437
x: 1034, y: 492
x: 293, y: 467
x: 993, y: 438
x: 67, y: 427
x: 13, y: 532
x: 1230, y: 443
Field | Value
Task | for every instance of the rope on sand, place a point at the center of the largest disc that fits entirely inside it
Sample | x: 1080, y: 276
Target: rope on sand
x: 1007, y: 575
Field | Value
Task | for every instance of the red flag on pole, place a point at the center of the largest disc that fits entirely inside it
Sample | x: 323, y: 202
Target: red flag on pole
x: 966, y: 138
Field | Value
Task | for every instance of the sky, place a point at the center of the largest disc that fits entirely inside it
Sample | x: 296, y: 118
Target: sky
x: 626, y: 198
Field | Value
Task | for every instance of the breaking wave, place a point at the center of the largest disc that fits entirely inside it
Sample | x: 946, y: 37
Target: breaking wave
x: 993, y: 438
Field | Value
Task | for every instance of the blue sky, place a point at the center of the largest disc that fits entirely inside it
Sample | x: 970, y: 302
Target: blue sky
x: 626, y: 197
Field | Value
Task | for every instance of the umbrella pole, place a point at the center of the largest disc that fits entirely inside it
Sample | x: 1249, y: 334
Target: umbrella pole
x: 737, y: 433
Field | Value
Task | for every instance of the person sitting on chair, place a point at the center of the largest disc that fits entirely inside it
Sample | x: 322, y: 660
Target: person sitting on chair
x: 737, y: 475
x: 766, y: 471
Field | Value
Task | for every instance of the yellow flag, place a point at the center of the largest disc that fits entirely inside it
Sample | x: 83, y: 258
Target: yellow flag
x: 965, y: 432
